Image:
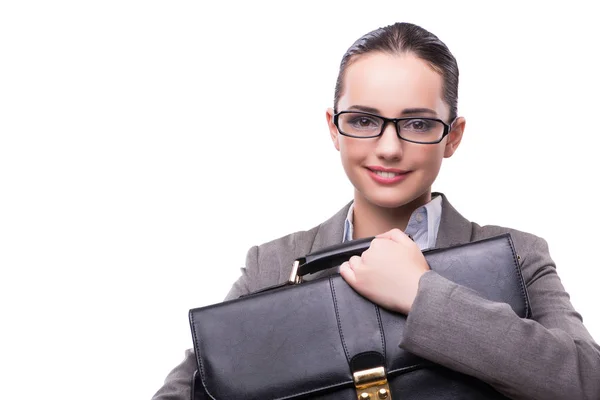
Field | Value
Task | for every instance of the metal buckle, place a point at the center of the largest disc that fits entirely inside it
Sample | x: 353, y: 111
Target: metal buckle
x: 294, y: 278
x: 372, y: 384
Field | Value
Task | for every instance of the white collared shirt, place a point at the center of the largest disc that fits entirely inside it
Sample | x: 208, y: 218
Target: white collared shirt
x: 423, y: 224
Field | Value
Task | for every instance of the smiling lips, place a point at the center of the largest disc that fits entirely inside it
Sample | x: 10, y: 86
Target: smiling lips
x: 387, y: 176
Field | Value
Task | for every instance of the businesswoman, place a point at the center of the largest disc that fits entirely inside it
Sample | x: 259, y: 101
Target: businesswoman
x: 394, y: 119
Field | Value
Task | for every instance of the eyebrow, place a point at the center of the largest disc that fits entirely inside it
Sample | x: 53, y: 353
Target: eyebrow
x: 406, y: 111
x: 364, y: 109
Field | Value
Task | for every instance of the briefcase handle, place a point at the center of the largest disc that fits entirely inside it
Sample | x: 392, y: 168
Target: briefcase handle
x: 328, y: 257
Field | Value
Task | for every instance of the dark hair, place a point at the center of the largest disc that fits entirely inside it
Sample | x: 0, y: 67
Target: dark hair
x: 404, y: 37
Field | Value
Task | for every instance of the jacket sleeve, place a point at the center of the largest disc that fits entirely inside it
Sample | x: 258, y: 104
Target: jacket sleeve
x: 551, y: 356
x: 244, y: 283
x: 179, y: 382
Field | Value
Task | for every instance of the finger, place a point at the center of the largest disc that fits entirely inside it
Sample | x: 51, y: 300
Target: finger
x: 354, y: 262
x: 376, y: 244
x: 348, y: 274
x: 395, y: 234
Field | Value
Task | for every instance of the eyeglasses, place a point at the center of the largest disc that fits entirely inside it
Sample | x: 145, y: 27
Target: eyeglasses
x: 412, y: 129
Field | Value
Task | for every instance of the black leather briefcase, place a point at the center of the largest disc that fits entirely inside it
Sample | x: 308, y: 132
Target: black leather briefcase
x: 322, y: 340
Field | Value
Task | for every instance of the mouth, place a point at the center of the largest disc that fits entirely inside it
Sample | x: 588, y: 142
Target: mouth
x: 387, y: 175
x: 382, y: 170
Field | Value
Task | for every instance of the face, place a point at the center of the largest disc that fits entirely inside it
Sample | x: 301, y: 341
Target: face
x: 393, y: 86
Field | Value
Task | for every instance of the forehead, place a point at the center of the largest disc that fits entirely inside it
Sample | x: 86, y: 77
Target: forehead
x: 392, y: 83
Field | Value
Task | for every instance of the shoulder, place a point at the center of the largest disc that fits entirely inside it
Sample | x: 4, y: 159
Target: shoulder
x: 284, y: 250
x: 300, y: 243
x: 532, y: 249
x: 271, y: 262
x: 456, y: 229
x: 523, y: 238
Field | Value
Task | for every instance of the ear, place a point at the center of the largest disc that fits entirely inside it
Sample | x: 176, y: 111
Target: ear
x: 333, y: 131
x: 454, y: 137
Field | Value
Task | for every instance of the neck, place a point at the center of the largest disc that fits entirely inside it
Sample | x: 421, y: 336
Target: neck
x: 371, y: 220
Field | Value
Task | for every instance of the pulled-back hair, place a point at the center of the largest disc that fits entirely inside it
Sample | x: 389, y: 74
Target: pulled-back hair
x: 402, y: 38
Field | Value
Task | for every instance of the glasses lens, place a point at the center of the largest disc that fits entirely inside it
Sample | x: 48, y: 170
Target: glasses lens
x: 421, y: 130
x: 359, y: 124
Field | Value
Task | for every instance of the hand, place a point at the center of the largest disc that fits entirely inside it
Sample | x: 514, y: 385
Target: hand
x: 388, y: 272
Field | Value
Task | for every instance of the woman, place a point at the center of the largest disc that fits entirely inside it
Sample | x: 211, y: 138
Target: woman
x: 394, y: 120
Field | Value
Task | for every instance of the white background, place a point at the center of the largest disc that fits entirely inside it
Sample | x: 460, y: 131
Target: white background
x: 146, y: 145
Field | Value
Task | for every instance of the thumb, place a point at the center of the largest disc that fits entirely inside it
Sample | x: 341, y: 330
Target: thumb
x: 347, y: 273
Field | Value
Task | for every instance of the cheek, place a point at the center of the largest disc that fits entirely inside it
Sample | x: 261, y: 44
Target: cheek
x: 352, y: 150
x: 426, y: 157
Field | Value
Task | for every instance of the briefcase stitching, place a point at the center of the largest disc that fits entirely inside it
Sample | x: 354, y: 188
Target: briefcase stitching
x: 337, y: 317
x: 382, y: 334
x: 199, y: 358
x: 520, y: 275
x: 339, y: 324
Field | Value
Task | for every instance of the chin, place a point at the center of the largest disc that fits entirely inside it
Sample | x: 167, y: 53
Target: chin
x: 390, y: 203
x: 397, y: 197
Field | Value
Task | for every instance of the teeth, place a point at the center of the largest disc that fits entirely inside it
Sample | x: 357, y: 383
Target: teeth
x: 386, y: 174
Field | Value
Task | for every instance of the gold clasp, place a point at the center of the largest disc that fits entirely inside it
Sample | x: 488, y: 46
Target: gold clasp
x: 294, y: 278
x: 372, y: 384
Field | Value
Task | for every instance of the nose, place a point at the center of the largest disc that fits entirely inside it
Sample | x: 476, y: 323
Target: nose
x: 389, y: 145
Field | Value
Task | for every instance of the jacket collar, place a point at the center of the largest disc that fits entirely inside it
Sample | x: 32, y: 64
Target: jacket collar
x: 454, y: 228
x: 331, y: 232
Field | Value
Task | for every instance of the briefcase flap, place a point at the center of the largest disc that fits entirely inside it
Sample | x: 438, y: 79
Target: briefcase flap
x: 299, y: 340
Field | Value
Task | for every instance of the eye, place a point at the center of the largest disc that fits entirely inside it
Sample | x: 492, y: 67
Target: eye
x: 360, y: 124
x: 418, y: 125
x: 364, y: 121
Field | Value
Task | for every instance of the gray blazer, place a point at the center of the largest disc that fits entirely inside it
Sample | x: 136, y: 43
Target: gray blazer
x: 552, y: 356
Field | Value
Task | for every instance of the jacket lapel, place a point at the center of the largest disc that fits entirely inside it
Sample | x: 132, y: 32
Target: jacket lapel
x: 454, y: 228
x: 329, y: 233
